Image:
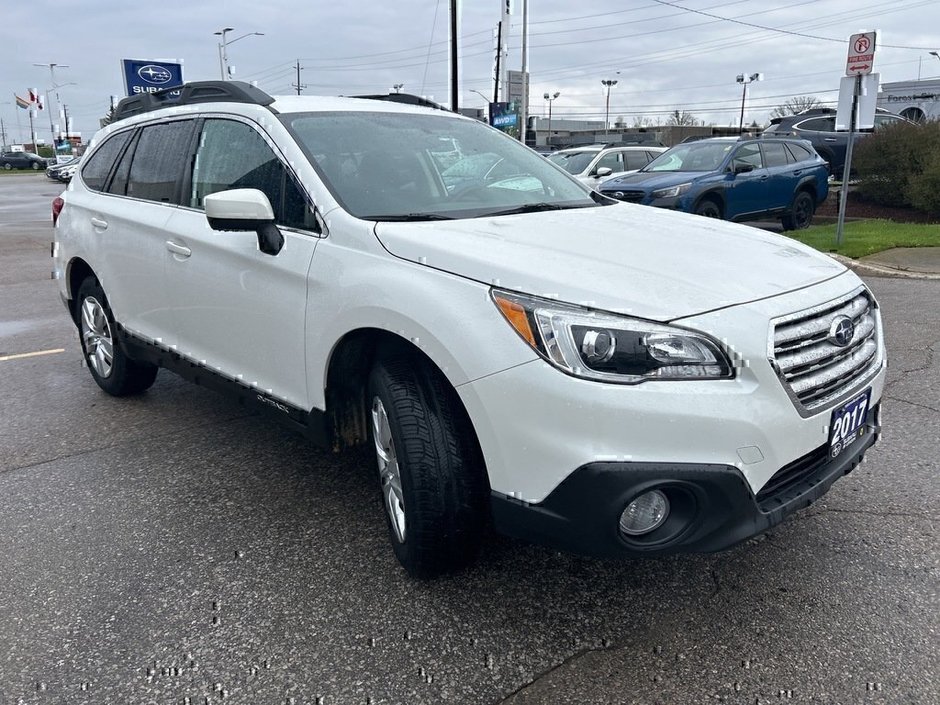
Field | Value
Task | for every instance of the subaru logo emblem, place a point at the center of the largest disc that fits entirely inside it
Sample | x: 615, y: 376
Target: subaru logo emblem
x: 618, y: 195
x: 841, y: 331
x: 154, y: 74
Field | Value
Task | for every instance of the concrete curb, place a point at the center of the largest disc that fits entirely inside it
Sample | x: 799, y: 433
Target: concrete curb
x: 882, y: 270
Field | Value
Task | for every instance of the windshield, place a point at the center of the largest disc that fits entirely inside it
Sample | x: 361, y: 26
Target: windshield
x: 407, y: 166
x: 695, y: 156
x: 573, y: 162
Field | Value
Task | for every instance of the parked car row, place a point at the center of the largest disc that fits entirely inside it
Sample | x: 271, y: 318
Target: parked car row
x: 731, y: 178
x: 63, y: 172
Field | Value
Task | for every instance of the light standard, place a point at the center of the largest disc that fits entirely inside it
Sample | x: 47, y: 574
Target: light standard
x: 550, y: 98
x: 223, y: 55
x: 608, y: 84
x: 745, y: 78
x: 398, y: 86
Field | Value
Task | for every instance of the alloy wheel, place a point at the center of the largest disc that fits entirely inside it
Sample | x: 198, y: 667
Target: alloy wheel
x: 389, y: 470
x: 96, y: 335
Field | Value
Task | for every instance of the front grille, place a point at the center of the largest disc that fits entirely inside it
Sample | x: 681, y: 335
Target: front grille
x: 628, y: 196
x: 814, y: 369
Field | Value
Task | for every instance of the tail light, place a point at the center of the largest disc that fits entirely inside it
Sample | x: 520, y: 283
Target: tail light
x: 57, y: 203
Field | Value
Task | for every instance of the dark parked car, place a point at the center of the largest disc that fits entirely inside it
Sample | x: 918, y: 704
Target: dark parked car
x: 818, y: 125
x: 731, y: 178
x: 21, y: 160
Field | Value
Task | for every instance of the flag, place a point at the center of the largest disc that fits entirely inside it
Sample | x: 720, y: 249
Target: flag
x: 34, y: 97
x: 21, y: 103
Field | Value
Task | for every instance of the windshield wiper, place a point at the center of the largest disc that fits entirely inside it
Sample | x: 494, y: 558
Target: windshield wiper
x: 535, y: 208
x: 409, y: 217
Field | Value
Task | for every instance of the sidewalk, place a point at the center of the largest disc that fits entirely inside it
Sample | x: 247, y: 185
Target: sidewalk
x: 905, y: 262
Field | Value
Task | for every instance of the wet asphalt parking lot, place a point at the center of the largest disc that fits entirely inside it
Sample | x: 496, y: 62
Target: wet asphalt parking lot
x: 172, y: 548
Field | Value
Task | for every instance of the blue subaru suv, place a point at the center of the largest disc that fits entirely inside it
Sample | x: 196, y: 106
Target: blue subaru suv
x: 733, y: 179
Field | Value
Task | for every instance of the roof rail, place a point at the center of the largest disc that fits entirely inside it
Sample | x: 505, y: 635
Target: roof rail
x: 406, y: 98
x: 191, y: 94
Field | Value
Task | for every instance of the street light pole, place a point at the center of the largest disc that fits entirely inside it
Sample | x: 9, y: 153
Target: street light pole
x: 745, y: 78
x: 223, y: 54
x: 52, y: 67
x: 550, y: 98
x: 608, y: 84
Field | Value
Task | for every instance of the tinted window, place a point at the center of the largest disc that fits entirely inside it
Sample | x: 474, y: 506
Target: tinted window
x: 885, y: 120
x: 799, y: 152
x: 818, y: 125
x: 774, y: 154
x: 118, y: 185
x: 96, y: 171
x: 233, y: 155
x: 159, y: 161
x: 635, y: 160
x: 611, y: 161
x: 748, y: 154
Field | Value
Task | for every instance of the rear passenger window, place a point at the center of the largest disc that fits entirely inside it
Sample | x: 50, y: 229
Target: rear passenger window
x: 775, y: 154
x: 159, y: 161
x: 96, y: 171
x: 233, y: 155
x: 635, y: 160
x: 118, y: 185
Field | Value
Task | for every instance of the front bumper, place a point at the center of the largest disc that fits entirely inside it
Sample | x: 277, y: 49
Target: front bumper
x: 712, y: 507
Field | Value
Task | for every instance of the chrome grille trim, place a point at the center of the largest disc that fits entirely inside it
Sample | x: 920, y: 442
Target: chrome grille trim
x: 816, y: 372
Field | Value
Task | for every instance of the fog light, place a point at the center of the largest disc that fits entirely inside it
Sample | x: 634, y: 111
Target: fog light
x: 644, y: 514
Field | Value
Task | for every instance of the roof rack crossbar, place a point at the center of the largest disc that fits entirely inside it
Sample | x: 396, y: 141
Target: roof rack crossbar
x: 190, y: 94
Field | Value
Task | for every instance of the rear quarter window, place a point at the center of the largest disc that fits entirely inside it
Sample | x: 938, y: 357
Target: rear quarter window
x: 799, y: 152
x: 95, y: 173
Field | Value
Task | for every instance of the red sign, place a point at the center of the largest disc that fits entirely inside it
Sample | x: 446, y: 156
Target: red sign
x: 861, y: 59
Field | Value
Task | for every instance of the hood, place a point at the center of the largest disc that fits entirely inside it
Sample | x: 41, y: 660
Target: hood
x: 627, y: 258
x: 653, y: 179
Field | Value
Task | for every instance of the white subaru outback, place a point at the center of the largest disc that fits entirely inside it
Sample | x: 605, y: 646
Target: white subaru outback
x: 606, y: 378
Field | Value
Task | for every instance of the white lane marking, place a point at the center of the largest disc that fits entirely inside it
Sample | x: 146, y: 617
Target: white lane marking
x: 20, y: 356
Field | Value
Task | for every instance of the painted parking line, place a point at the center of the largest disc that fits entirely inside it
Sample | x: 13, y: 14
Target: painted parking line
x: 20, y: 356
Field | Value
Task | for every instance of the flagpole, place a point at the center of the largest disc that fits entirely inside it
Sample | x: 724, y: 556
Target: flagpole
x: 32, y: 131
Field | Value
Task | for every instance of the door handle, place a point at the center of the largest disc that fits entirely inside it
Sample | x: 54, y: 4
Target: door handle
x: 830, y: 139
x: 99, y: 223
x: 178, y: 249
x: 797, y: 172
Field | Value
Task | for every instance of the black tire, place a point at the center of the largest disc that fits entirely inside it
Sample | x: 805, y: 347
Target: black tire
x: 35, y: 166
x: 124, y: 376
x: 801, y: 212
x: 708, y: 208
x: 8, y: 167
x: 443, y: 487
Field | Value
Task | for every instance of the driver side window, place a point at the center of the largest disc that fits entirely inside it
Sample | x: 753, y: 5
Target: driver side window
x: 233, y: 155
x: 749, y: 154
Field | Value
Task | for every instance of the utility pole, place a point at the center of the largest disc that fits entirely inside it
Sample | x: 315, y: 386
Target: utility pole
x: 3, y: 135
x: 65, y: 112
x: 299, y: 86
x: 499, y: 55
x: 524, y: 117
x: 608, y: 84
x: 55, y: 87
x: 454, y: 72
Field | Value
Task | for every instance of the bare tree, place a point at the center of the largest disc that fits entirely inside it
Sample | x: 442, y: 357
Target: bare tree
x: 643, y: 122
x: 682, y: 118
x: 794, y: 105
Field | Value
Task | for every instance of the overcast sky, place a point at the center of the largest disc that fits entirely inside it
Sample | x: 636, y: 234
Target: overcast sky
x: 664, y: 55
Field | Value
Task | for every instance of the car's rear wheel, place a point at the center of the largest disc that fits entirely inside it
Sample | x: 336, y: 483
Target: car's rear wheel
x: 709, y: 208
x: 433, y: 483
x: 111, y: 368
x: 801, y: 212
x: 35, y: 166
x: 8, y: 167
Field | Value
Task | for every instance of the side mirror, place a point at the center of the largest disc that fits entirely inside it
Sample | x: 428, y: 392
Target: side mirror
x: 603, y: 171
x: 742, y: 168
x: 243, y: 210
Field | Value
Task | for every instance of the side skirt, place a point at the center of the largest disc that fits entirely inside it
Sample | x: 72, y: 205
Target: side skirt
x: 312, y: 424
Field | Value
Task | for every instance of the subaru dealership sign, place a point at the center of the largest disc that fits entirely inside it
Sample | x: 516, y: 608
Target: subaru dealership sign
x: 145, y: 76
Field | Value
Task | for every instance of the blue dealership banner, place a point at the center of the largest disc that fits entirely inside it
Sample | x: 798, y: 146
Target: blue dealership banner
x: 147, y: 76
x: 505, y: 117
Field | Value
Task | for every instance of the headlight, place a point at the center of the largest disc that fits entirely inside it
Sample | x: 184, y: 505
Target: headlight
x: 672, y: 191
x: 611, y: 348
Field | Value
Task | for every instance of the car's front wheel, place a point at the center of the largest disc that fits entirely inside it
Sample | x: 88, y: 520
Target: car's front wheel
x: 709, y: 208
x: 801, y: 212
x: 111, y: 368
x: 433, y: 483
